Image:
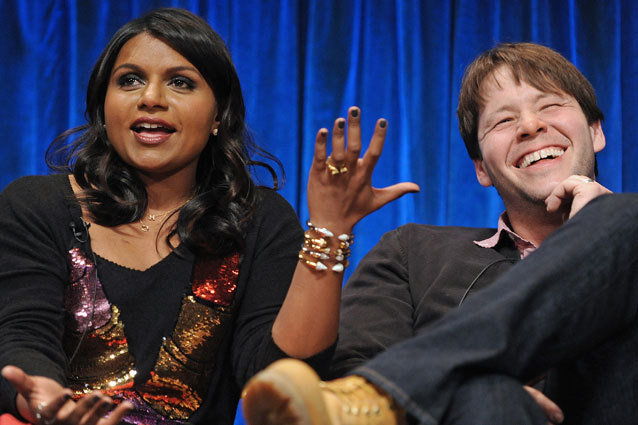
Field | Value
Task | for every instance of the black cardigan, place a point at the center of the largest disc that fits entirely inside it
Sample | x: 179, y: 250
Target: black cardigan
x: 35, y: 235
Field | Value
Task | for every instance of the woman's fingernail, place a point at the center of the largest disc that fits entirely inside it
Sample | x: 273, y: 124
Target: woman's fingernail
x: 323, y: 133
x: 341, y: 123
x: 382, y: 123
x: 354, y: 113
x: 95, y: 399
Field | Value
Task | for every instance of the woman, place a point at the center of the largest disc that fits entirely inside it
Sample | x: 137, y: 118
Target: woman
x: 153, y: 278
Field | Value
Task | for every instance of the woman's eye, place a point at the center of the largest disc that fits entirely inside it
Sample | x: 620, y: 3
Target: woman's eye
x: 503, y: 121
x: 182, y: 83
x: 129, y: 80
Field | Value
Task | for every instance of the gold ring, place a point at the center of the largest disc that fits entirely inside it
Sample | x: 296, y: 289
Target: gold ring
x: 334, y: 170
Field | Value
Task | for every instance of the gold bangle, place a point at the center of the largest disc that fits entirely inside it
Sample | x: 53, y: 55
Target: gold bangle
x: 316, y: 254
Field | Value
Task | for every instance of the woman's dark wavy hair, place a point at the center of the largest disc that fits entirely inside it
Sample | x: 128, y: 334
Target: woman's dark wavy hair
x: 214, y: 220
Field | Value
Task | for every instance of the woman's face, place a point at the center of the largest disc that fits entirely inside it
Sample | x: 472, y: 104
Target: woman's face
x: 159, y: 110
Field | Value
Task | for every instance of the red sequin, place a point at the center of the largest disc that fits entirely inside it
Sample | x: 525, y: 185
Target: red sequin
x: 215, y: 280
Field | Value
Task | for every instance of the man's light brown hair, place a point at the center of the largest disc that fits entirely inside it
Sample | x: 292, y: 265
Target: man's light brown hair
x: 541, y: 67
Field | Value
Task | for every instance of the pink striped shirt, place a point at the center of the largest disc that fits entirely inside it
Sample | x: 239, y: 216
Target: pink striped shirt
x: 523, y: 246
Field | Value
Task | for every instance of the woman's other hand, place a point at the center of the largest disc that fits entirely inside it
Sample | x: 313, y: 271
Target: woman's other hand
x: 44, y: 401
x: 340, y: 191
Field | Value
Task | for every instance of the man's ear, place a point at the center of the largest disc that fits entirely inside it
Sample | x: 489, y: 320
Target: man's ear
x: 597, y: 135
x: 481, y: 173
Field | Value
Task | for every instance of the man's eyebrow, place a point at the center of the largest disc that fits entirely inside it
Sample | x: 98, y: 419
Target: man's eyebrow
x: 536, y: 98
x: 545, y: 94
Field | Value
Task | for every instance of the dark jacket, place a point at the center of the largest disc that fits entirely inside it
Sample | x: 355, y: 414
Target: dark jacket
x: 413, y: 276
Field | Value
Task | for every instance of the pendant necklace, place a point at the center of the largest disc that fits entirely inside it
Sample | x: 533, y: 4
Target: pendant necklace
x: 156, y: 217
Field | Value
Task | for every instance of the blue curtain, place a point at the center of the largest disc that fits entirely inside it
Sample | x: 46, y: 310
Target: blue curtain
x: 302, y: 63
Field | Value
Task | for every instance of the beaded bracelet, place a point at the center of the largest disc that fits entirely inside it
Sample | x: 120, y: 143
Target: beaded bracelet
x: 316, y: 253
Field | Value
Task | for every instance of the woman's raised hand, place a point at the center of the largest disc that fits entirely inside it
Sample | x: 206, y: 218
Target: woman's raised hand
x: 340, y: 191
x: 45, y: 402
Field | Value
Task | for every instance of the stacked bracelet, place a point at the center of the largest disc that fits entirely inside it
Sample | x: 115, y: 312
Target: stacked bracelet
x: 317, y: 253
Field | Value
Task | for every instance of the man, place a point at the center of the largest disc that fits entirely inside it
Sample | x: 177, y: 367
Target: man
x: 531, y: 125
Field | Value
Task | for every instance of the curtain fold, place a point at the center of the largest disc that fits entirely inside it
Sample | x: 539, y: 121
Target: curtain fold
x: 303, y: 63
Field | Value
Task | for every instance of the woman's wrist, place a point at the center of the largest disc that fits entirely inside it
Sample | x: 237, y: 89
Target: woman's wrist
x: 337, y: 227
x: 324, y: 249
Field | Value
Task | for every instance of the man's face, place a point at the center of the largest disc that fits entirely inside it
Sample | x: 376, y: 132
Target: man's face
x: 531, y: 140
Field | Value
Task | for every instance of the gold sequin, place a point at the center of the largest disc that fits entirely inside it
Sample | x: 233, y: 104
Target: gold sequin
x: 103, y: 361
x: 184, y: 367
x: 183, y: 370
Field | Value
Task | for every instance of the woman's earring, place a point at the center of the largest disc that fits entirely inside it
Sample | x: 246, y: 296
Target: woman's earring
x: 215, y: 132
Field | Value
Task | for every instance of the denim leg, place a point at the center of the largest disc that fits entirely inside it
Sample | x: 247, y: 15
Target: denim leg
x: 601, y: 387
x: 569, y: 297
x: 493, y: 399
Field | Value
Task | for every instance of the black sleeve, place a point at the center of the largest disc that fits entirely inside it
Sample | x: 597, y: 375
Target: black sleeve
x: 269, y: 264
x: 32, y: 280
x: 377, y: 307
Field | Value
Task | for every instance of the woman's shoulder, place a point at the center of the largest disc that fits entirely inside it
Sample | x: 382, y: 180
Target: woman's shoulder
x: 48, y: 191
x: 272, y: 210
x: 36, y: 211
x: 268, y: 200
x: 38, y: 183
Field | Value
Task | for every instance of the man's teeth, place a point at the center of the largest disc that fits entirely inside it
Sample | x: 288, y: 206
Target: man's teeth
x: 541, y: 154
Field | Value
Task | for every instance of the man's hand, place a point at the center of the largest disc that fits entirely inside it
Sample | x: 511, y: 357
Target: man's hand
x: 574, y: 193
x: 552, y: 411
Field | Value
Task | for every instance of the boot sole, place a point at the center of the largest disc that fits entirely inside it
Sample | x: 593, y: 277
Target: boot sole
x: 285, y: 393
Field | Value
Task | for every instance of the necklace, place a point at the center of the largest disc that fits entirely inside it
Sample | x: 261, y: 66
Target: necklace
x: 156, y: 217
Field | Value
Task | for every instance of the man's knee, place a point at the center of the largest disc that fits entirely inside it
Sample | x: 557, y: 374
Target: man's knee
x: 625, y: 203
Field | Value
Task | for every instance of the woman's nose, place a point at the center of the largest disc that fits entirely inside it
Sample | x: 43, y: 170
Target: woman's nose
x: 152, y: 96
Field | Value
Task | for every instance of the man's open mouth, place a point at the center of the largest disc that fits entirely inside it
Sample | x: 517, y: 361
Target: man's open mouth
x: 534, y: 157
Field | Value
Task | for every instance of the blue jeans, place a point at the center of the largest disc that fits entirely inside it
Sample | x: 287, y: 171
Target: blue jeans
x: 571, y: 307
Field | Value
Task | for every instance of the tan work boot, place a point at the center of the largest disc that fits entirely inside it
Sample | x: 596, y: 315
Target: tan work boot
x: 290, y: 392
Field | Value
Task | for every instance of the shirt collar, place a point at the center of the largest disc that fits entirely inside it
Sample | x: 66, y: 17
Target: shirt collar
x: 523, y: 246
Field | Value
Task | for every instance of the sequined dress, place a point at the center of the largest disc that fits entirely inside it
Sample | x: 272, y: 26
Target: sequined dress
x: 179, y: 340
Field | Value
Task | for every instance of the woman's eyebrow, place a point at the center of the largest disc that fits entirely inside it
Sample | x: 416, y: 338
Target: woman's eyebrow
x: 171, y: 69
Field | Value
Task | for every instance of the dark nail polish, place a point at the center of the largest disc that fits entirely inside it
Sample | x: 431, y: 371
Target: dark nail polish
x: 382, y: 124
x: 341, y: 124
x: 324, y: 133
x: 354, y: 113
x: 66, y: 397
x: 95, y: 399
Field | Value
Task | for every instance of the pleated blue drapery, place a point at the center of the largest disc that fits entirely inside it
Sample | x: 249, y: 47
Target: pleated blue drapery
x: 303, y: 63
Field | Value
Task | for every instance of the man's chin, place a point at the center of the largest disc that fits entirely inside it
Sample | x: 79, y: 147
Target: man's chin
x: 538, y: 194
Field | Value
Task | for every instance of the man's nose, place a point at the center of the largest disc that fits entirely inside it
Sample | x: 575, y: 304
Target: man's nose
x: 530, y: 125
